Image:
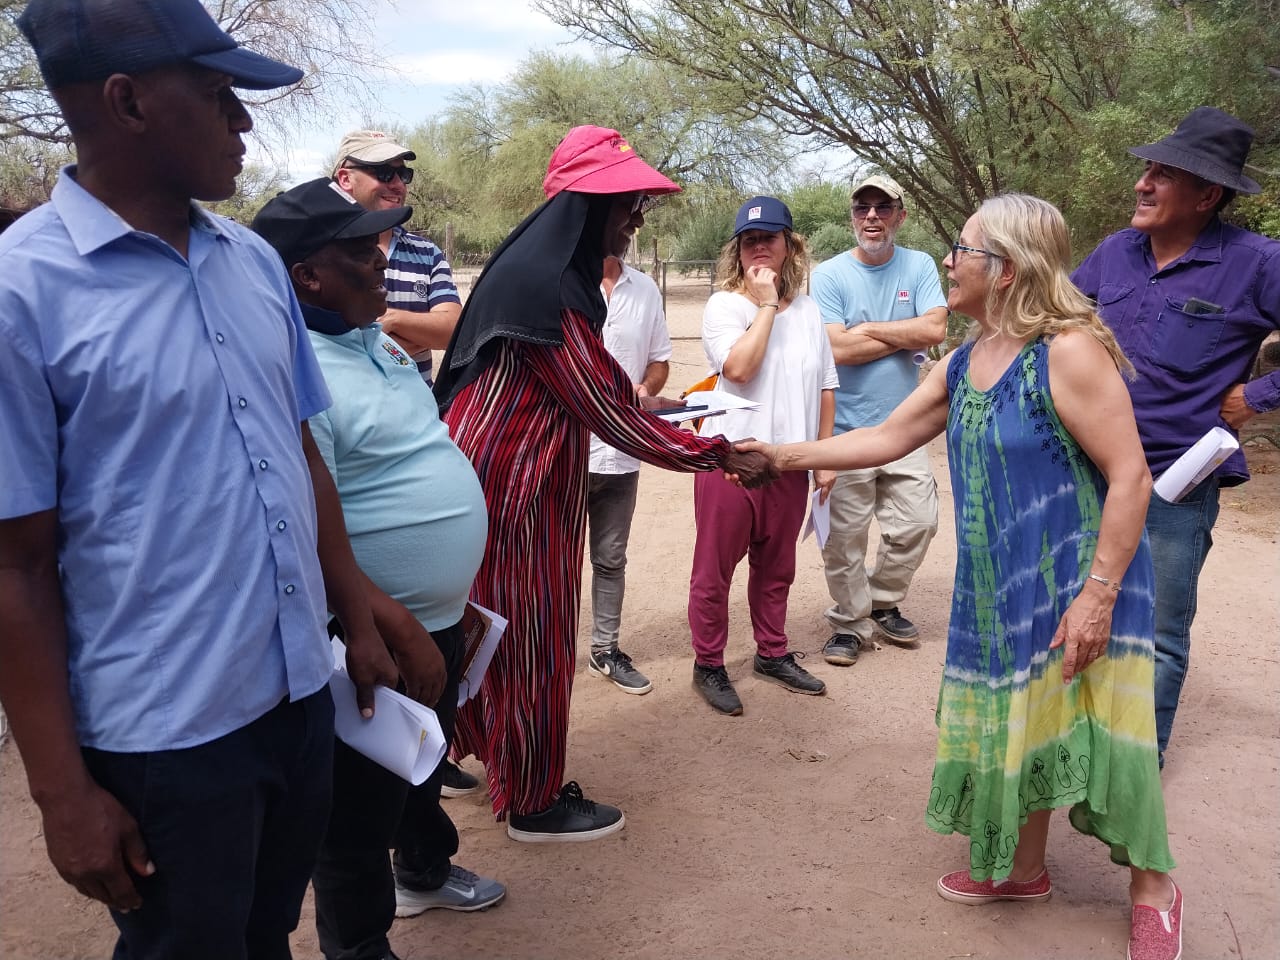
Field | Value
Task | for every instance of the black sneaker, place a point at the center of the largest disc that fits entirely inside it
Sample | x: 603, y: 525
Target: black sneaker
x: 842, y: 649
x: 613, y: 664
x: 571, y: 818
x: 457, y: 782
x: 785, y: 672
x: 895, y: 626
x: 714, y: 685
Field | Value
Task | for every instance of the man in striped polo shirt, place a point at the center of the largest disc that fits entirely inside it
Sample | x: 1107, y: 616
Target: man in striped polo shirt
x: 422, y: 302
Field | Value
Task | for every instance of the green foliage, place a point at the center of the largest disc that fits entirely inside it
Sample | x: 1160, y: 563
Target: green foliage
x: 706, y: 230
x: 961, y: 99
x: 829, y: 240
x: 817, y: 204
x: 485, y: 160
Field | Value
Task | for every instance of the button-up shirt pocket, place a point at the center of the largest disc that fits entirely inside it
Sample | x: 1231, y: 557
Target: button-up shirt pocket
x: 1185, y: 342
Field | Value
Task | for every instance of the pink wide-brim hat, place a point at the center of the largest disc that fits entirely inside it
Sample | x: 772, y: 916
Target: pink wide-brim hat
x: 599, y: 160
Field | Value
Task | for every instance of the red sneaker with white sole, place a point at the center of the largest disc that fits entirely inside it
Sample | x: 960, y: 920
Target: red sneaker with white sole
x: 1157, y: 934
x: 959, y: 887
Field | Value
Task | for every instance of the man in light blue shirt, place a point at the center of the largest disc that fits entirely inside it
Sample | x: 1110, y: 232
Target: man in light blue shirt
x: 883, y: 306
x: 163, y: 658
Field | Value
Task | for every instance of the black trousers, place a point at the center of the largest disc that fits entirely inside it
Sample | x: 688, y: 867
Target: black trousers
x: 373, y: 810
x: 233, y: 827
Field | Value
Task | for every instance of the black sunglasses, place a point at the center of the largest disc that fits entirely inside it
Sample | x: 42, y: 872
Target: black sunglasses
x: 384, y: 172
x: 644, y: 202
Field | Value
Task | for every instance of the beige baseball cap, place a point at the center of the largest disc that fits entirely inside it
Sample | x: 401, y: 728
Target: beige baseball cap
x: 372, y: 147
x: 882, y: 183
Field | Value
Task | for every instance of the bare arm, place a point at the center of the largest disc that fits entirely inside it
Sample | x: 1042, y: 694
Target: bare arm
x: 1093, y: 404
x: 654, y: 379
x: 915, y: 421
x: 368, y: 662
x: 851, y: 348
x: 915, y: 333
x: 418, y: 332
x: 824, y: 480
x: 747, y: 354
x: 92, y: 840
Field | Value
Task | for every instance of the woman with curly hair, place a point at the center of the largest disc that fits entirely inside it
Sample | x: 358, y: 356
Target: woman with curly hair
x: 765, y: 338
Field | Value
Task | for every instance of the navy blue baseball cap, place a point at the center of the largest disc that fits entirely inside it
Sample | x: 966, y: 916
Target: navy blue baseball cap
x: 78, y: 41
x: 763, y: 213
x: 300, y: 221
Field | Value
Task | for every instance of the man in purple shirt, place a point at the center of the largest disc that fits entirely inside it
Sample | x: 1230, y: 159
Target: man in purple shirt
x: 1190, y: 300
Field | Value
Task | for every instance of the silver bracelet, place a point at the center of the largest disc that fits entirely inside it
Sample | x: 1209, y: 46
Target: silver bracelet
x: 774, y: 305
x: 1113, y: 587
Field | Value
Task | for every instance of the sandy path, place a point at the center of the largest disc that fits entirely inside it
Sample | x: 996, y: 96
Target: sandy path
x: 797, y: 829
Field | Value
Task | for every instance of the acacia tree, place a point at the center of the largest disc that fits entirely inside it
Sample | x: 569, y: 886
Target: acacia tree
x: 481, y: 166
x: 323, y: 37
x: 960, y: 99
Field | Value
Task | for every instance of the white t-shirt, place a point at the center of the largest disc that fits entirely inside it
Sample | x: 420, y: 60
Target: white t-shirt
x: 797, y: 367
x: 635, y: 333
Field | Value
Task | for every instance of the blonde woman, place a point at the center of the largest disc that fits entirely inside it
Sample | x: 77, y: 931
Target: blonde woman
x: 765, y: 338
x: 1047, y: 693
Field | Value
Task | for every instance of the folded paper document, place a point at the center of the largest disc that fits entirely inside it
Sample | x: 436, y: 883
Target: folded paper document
x: 706, y: 403
x: 1196, y: 464
x: 481, y: 631
x: 402, y: 735
x: 819, y: 521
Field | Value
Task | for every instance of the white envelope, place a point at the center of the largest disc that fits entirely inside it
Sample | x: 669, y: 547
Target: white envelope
x: 402, y: 735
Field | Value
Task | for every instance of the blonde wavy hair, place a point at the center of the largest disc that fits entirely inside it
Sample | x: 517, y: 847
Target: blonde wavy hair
x: 1041, y: 301
x: 791, y: 279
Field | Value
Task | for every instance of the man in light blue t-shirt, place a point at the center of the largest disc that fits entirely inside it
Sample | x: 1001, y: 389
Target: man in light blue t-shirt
x: 883, y: 306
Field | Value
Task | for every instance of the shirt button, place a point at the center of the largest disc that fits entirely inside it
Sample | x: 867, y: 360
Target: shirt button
x: 243, y: 403
x: 281, y: 525
x: 219, y: 337
x: 262, y: 464
x: 289, y: 589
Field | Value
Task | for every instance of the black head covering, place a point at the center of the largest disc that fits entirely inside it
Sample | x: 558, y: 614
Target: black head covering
x: 552, y: 261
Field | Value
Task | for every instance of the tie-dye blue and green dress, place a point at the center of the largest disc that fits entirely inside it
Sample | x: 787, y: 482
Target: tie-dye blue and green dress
x: 1012, y: 737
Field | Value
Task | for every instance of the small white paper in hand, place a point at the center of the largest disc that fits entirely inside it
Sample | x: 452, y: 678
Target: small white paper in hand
x: 819, y: 521
x: 402, y: 735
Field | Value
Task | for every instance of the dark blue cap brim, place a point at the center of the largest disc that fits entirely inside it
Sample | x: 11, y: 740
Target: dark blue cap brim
x: 766, y: 225
x: 250, y: 70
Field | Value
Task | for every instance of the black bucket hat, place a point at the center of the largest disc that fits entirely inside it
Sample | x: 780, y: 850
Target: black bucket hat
x: 1209, y: 143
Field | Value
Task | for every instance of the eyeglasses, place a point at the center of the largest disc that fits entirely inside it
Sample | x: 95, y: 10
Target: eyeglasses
x: 883, y: 210
x: 958, y: 246
x: 384, y: 172
x: 643, y: 203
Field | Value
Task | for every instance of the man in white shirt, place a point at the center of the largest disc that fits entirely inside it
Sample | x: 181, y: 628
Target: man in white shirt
x: 635, y: 334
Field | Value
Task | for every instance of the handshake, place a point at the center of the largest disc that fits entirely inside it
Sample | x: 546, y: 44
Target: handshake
x: 751, y: 464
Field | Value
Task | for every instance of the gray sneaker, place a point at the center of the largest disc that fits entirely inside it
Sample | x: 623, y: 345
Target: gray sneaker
x: 462, y: 891
x: 785, y: 672
x: 896, y: 628
x: 716, y: 688
x: 613, y: 664
x: 842, y: 649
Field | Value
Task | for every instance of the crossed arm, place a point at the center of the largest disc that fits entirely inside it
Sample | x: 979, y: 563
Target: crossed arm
x: 865, y: 342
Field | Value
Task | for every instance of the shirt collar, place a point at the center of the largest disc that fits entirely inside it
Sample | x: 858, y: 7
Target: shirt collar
x: 92, y: 224
x: 1207, y: 247
x: 327, y: 322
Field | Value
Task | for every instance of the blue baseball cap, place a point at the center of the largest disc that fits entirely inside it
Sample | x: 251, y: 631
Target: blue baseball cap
x: 78, y: 41
x: 763, y: 213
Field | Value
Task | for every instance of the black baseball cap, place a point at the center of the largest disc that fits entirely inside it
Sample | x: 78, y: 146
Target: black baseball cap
x: 78, y: 41
x: 300, y: 221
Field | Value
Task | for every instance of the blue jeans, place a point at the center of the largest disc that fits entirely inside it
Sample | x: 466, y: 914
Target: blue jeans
x: 1181, y: 535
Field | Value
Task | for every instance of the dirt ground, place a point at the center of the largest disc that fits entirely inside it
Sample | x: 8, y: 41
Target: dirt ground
x: 796, y: 830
